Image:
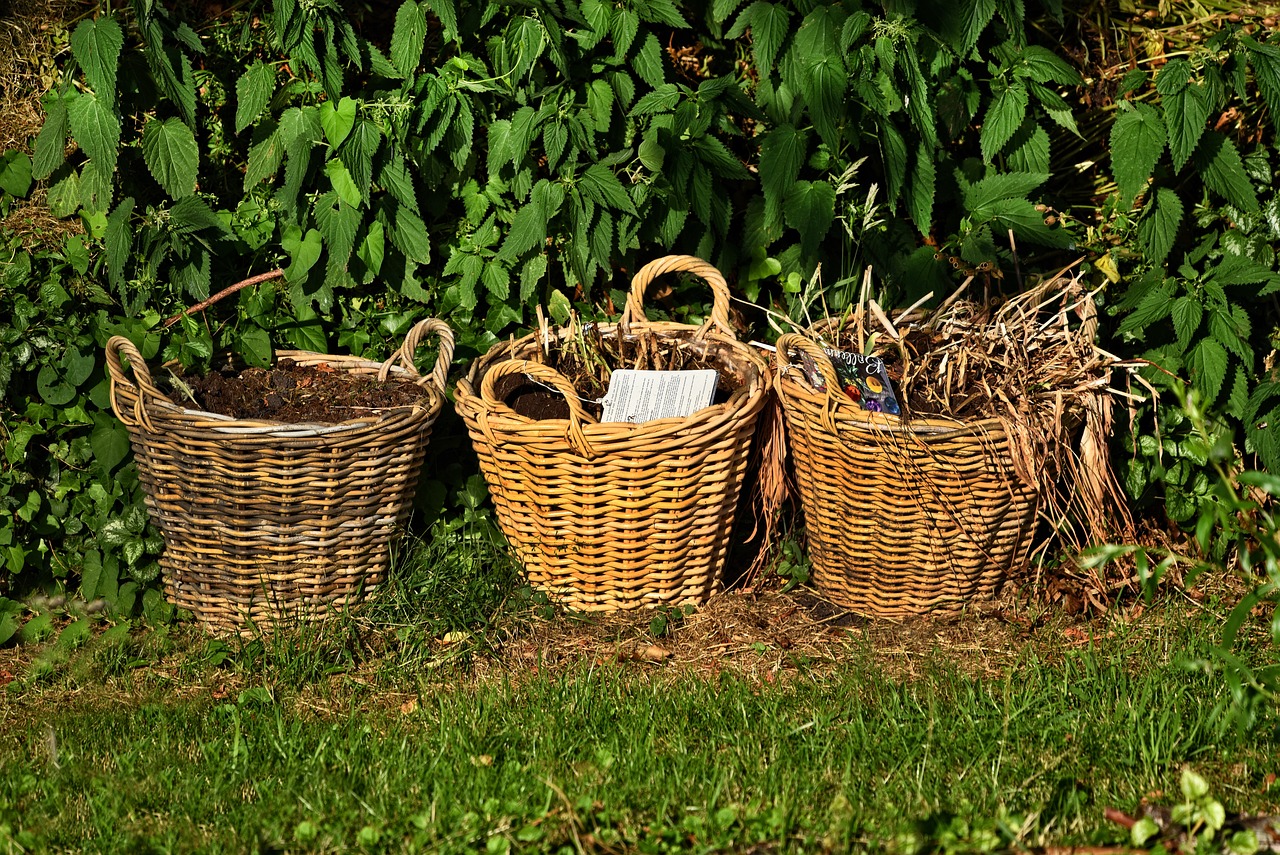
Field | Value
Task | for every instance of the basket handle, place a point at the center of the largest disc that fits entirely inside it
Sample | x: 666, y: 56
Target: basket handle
x: 548, y: 376
x: 118, y: 345
x: 439, y: 374
x: 787, y: 341
x: 634, y: 312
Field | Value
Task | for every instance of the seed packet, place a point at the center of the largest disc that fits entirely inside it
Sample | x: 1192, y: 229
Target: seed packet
x: 863, y: 378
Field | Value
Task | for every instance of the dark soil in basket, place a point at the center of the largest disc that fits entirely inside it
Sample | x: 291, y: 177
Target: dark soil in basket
x: 298, y: 394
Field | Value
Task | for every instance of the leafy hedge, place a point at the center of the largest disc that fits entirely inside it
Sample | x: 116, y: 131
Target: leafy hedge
x: 473, y: 161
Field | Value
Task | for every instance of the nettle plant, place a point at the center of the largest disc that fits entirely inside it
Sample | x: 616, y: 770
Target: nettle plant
x: 1205, y: 222
x: 898, y: 140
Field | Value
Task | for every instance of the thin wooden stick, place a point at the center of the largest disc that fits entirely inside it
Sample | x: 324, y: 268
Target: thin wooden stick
x: 231, y: 289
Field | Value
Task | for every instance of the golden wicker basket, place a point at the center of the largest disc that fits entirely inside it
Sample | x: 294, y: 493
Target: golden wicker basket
x: 615, y: 515
x: 271, y: 522
x: 902, y: 517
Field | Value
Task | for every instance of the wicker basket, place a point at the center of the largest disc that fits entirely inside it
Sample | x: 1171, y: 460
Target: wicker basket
x: 614, y: 515
x: 902, y: 517
x: 271, y: 522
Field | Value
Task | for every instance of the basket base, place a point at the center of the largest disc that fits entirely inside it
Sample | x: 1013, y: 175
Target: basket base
x: 860, y: 594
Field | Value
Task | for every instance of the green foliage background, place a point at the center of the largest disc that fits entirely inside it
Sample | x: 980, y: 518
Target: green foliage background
x: 472, y: 161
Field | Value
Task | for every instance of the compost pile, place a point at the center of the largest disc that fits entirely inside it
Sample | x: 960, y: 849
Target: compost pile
x: 295, y: 394
x: 587, y: 356
x: 1027, y: 362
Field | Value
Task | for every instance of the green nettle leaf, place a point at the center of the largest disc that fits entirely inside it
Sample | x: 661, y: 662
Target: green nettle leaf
x: 193, y: 214
x: 1262, y: 423
x: 530, y: 275
x: 722, y: 9
x: 497, y: 280
x: 652, y: 155
x: 96, y: 128
x: 170, y: 151
x: 1023, y: 219
x: 95, y: 187
x: 409, y: 233
x: 1186, y: 114
x: 373, y: 248
x: 921, y: 190
x: 555, y: 136
x: 893, y: 149
x: 253, y: 92
x: 648, y: 61
x: 969, y: 22
x: 338, y: 222
x: 1137, y: 139
x: 409, y: 37
x: 623, y: 27
x: 1003, y: 117
x: 447, y: 12
x: 1220, y: 166
x: 1187, y: 315
x: 662, y: 12
x: 598, y: 182
x: 1208, y: 364
x: 394, y: 177
x: 598, y: 15
x: 63, y: 197
x: 343, y: 184
x: 600, y: 104
x: 1158, y: 227
x: 15, y: 172
x: 1265, y: 61
x: 1047, y: 67
x: 824, y: 88
x: 1232, y: 329
x: 810, y: 209
x: 337, y: 121
x: 96, y: 44
x: 51, y: 142
x: 265, y: 158
x: 528, y: 229
x: 770, y: 23
x: 1006, y: 185
x: 119, y: 240
x: 1238, y: 398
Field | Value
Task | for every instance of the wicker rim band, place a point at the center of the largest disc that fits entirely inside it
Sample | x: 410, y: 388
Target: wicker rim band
x: 439, y: 374
x: 634, y: 311
x: 544, y: 374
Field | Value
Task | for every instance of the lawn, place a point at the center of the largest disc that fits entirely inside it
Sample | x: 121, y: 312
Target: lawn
x: 761, y: 722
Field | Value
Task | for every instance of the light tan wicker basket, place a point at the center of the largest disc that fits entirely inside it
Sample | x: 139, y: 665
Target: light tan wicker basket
x: 271, y: 522
x: 620, y: 516
x: 901, y: 517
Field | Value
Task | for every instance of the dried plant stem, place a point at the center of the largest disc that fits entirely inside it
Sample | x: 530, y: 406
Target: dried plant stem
x: 204, y: 304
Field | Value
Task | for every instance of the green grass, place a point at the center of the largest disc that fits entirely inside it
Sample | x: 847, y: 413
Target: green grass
x: 416, y: 727
x: 147, y: 750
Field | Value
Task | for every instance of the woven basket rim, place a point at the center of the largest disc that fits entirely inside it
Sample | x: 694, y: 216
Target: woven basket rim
x: 850, y: 414
x: 144, y: 393
x: 229, y: 424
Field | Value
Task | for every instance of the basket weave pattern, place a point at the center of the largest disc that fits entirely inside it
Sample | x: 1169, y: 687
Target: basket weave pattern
x: 271, y: 522
x: 902, y: 518
x: 619, y: 516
